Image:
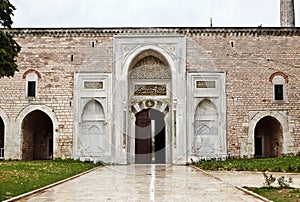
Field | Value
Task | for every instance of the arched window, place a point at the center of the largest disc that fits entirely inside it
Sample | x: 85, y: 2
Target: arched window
x: 31, y: 85
x: 278, y: 88
x: 31, y: 77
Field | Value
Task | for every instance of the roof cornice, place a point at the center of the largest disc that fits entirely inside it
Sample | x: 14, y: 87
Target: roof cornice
x: 203, y: 31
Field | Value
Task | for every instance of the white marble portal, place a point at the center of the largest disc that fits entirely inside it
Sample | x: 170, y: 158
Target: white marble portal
x: 149, y: 72
x: 128, y: 51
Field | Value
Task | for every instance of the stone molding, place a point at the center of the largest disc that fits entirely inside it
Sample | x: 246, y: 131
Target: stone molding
x: 169, y: 31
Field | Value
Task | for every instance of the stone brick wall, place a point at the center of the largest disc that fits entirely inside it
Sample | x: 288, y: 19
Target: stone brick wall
x: 248, y: 56
x: 56, y: 58
x: 249, y: 59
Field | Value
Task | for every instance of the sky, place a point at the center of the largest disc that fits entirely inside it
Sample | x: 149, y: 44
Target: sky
x: 148, y: 13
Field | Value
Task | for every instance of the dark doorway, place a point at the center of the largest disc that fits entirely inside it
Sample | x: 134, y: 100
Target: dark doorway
x: 37, y: 132
x: 258, y: 146
x: 1, y: 138
x: 268, y: 138
x: 150, y: 137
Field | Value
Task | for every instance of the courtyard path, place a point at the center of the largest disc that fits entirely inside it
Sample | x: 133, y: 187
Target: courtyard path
x: 144, y: 183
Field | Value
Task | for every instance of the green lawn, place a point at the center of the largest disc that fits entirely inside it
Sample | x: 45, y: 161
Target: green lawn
x: 18, y: 177
x: 284, y: 164
x: 278, y: 194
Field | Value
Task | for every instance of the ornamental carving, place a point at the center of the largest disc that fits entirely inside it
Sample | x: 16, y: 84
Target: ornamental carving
x: 150, y: 67
x: 149, y: 61
x: 150, y: 90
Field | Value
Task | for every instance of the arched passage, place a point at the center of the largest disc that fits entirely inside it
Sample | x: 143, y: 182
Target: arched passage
x: 2, y: 131
x: 37, y: 133
x: 150, y: 137
x: 150, y: 84
x: 268, y: 137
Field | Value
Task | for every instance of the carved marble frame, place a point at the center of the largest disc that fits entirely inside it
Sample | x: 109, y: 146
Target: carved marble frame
x: 215, y: 95
x: 173, y: 50
x: 82, y: 96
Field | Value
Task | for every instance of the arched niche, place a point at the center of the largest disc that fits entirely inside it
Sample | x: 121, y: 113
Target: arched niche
x: 205, y: 128
x: 93, y: 137
x: 93, y: 110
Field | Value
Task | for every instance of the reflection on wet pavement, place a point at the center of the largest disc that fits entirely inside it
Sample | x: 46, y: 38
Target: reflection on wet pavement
x: 144, y: 183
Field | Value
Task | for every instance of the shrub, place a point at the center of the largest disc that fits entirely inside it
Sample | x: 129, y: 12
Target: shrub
x: 282, y: 182
x: 269, y: 180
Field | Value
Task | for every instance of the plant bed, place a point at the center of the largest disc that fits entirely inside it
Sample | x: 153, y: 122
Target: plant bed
x: 277, y: 194
x: 283, y: 164
x: 18, y: 177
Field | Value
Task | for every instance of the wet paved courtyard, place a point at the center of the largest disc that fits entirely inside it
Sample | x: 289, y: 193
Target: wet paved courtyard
x: 144, y: 183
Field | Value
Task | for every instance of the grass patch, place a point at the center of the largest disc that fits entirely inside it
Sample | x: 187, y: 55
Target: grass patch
x: 284, y: 164
x: 18, y: 177
x: 277, y: 194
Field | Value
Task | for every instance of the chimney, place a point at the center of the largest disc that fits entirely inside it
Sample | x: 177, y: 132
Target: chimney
x: 287, y: 13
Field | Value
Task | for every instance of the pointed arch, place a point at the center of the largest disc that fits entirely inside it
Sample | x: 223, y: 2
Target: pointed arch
x: 206, y: 107
x: 93, y: 110
x: 92, y: 140
x: 205, y: 128
x: 139, y: 52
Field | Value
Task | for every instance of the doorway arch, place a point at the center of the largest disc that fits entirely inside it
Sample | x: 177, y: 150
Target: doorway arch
x: 150, y: 137
x: 37, y: 136
x: 149, y: 80
x: 268, y: 138
x: 135, y: 51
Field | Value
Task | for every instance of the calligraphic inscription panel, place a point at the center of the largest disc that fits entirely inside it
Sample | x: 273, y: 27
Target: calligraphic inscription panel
x: 150, y: 90
x: 205, y: 84
x: 93, y: 85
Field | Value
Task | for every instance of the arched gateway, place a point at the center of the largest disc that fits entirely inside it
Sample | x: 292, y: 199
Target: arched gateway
x: 149, y: 79
x: 268, y: 138
x: 37, y: 136
x: 149, y: 100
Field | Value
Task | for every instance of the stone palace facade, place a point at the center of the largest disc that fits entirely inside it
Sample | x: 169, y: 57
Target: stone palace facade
x: 152, y: 95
